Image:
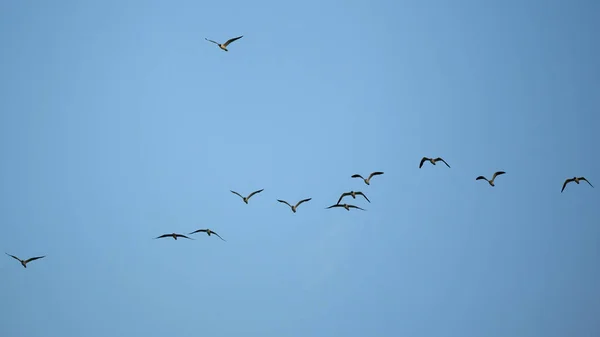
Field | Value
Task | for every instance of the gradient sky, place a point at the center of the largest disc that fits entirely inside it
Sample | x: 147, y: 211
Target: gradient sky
x: 119, y: 123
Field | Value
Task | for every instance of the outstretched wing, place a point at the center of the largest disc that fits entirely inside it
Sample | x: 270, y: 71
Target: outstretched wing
x: 374, y: 174
x: 14, y: 257
x: 352, y: 206
x: 336, y: 205
x: 361, y: 193
x: 497, y: 174
x: 231, y: 40
x: 198, y: 231
x: 253, y: 193
x: 182, y: 236
x: 481, y: 177
x: 215, y: 42
x: 565, y: 184
x: 285, y: 202
x: 442, y: 160
x: 301, y: 201
x: 34, y: 258
x: 422, y: 161
x: 343, y: 195
x: 582, y: 178
x: 357, y: 176
x: 215, y: 233
x: 236, y: 193
x: 164, y: 236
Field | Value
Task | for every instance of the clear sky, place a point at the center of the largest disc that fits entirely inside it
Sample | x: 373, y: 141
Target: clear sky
x: 119, y: 123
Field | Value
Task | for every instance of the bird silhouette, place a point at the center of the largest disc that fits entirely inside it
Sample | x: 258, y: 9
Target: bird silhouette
x: 25, y: 262
x: 294, y: 207
x: 491, y: 182
x: 368, y: 180
x: 208, y: 232
x: 224, y: 45
x: 248, y: 197
x: 432, y: 161
x: 353, y: 194
x: 173, y: 235
x: 576, y: 180
x: 346, y: 206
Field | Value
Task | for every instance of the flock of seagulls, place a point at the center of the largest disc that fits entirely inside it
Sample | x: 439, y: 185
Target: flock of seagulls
x: 294, y: 208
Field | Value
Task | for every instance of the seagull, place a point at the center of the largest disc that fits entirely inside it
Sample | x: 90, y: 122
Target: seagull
x: 432, y: 161
x: 207, y: 231
x: 294, y: 208
x: 346, y: 206
x: 353, y: 194
x: 224, y: 45
x: 172, y: 235
x: 368, y: 180
x: 248, y: 197
x: 25, y: 262
x: 576, y: 180
x: 491, y: 182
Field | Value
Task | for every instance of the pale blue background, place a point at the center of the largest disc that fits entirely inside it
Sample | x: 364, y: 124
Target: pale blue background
x: 119, y: 122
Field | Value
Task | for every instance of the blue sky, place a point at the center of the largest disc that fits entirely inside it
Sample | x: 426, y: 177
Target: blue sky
x: 119, y: 122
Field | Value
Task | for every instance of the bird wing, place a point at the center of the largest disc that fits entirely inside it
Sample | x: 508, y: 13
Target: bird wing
x: 352, y: 206
x: 582, y: 178
x: 342, y: 196
x: 14, y: 257
x: 336, y: 205
x: 497, y: 174
x: 375, y: 174
x: 481, y: 177
x: 183, y: 236
x: 285, y: 202
x: 422, y: 161
x: 215, y: 42
x: 198, y: 231
x: 357, y: 176
x: 34, y: 258
x: 565, y: 184
x: 231, y: 40
x: 301, y: 201
x: 253, y: 193
x: 215, y: 233
x: 442, y: 160
x: 236, y: 193
x: 163, y: 236
x: 361, y: 193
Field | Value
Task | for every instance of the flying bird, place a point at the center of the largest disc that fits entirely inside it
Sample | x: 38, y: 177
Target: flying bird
x: 248, y: 197
x: 173, y: 235
x: 353, y: 194
x: 224, y: 45
x: 346, y: 206
x: 25, y: 262
x: 432, y: 161
x: 491, y: 182
x: 207, y: 231
x: 576, y: 180
x: 368, y: 180
x: 295, y: 207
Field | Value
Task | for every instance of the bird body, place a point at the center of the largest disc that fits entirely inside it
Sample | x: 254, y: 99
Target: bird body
x: 491, y: 182
x: 576, y: 180
x: 294, y: 207
x: 248, y: 197
x: 224, y: 45
x: 172, y: 235
x: 353, y: 195
x: 432, y: 161
x: 25, y: 262
x: 208, y: 232
x: 368, y: 180
x: 346, y: 206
